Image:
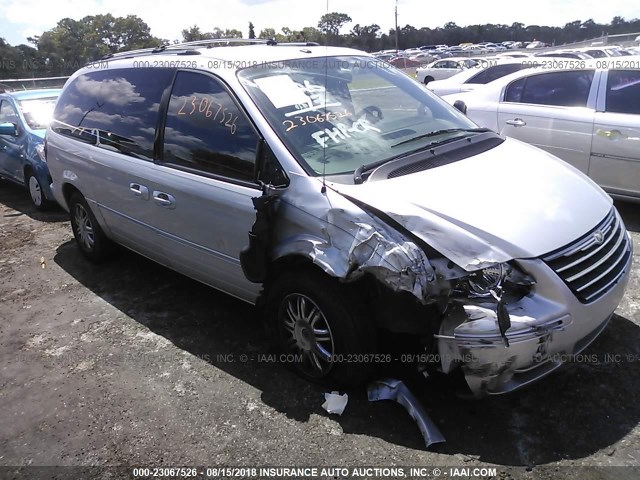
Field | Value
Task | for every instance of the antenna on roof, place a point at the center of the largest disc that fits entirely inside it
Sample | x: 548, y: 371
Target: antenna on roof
x: 326, y: 83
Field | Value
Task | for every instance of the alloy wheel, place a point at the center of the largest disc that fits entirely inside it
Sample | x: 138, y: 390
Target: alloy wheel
x: 305, y: 331
x: 84, y: 227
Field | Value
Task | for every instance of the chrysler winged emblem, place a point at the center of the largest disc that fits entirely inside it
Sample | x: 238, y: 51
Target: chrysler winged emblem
x: 598, y: 237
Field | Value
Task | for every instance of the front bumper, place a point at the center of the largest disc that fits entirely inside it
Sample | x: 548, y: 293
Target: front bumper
x: 547, y: 328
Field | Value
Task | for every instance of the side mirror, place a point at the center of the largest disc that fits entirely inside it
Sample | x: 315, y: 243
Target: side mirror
x: 267, y: 169
x: 460, y: 105
x: 9, y: 129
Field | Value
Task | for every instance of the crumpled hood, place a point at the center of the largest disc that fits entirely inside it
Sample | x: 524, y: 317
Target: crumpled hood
x: 513, y: 201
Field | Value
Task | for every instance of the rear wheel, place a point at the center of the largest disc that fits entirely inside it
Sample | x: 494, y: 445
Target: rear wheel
x: 91, y: 240
x: 35, y: 192
x: 322, y: 327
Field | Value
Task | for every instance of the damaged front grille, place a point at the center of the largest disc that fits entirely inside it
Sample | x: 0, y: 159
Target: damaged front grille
x: 593, y: 264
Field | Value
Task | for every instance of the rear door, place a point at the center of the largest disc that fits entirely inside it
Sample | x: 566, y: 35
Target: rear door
x: 553, y: 111
x: 113, y: 114
x: 615, y: 151
x: 205, y: 183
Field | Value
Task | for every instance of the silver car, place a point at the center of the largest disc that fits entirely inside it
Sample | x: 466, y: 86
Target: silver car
x: 586, y: 113
x: 347, y: 201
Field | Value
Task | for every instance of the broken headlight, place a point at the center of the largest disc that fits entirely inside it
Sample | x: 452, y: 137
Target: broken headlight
x: 497, y: 278
x: 483, y: 281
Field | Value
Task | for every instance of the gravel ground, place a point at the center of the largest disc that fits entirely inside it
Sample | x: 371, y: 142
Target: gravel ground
x: 129, y: 363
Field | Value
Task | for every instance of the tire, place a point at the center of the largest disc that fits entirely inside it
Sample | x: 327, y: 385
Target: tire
x: 36, y: 194
x: 427, y: 80
x: 90, y: 238
x: 324, y: 325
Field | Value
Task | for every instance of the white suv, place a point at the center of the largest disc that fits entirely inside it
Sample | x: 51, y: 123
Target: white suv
x: 347, y: 200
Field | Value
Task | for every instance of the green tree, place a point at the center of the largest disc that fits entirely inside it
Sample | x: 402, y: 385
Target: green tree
x: 267, y: 33
x: 365, y: 37
x: 311, y: 34
x: 232, y: 33
x: 252, y: 32
x: 118, y: 33
x: 330, y: 24
x: 193, y: 34
x: 72, y: 43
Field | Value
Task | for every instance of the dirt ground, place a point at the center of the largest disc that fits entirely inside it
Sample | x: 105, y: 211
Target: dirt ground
x: 129, y: 363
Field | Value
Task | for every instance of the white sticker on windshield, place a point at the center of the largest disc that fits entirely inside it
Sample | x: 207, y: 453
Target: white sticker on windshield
x: 282, y: 91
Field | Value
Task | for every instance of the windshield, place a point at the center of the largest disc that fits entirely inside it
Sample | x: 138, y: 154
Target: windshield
x: 337, y: 114
x: 38, y: 112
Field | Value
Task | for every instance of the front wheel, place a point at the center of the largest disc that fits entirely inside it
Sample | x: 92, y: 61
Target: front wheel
x: 91, y: 240
x: 322, y: 327
x: 35, y: 192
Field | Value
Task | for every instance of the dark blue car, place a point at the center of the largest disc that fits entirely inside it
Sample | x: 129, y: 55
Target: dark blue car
x: 24, y: 116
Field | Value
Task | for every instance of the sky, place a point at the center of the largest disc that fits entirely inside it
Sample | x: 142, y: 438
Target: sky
x: 20, y: 19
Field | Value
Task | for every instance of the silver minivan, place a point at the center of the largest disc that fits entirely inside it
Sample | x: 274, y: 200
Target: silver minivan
x: 346, y: 200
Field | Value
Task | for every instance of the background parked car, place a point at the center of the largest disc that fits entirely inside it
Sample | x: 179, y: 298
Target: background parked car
x: 603, y: 52
x: 566, y: 54
x: 442, y: 69
x: 423, y: 58
x: 404, y: 62
x: 486, y: 71
x: 24, y: 117
x: 588, y: 117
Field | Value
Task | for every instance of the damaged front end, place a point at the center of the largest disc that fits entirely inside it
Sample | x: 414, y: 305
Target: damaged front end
x: 503, y: 322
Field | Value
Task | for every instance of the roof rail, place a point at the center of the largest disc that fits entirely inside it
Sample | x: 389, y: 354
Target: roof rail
x: 209, y: 42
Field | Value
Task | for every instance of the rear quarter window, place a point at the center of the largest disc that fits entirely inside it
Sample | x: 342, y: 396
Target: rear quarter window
x: 116, y: 109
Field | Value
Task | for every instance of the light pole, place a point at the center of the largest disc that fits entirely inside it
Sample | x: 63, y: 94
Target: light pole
x: 397, y: 26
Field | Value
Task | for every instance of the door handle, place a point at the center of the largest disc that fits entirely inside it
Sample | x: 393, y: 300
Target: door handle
x: 164, y: 199
x: 611, y: 134
x: 139, y: 191
x: 516, y: 122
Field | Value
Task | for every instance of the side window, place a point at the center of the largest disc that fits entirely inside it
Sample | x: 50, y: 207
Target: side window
x: 115, y: 109
x: 566, y: 89
x: 493, y: 73
x: 206, y: 131
x: 7, y: 113
x: 623, y: 91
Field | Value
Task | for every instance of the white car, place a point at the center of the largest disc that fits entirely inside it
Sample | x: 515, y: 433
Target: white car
x: 412, y: 51
x: 486, y: 71
x: 445, y: 68
x: 423, y: 57
x: 589, y: 117
x: 536, y: 45
x: 513, y: 55
x: 565, y: 54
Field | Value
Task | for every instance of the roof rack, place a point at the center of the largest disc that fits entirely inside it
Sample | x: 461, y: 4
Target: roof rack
x: 185, y: 48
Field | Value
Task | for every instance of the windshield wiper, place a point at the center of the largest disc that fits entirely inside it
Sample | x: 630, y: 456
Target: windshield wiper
x: 441, y: 132
x: 357, y: 174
